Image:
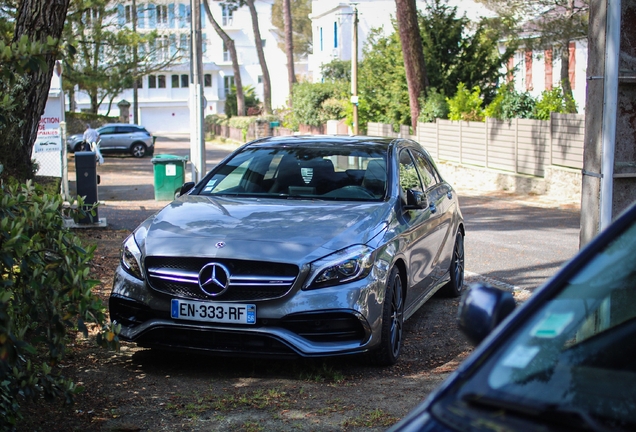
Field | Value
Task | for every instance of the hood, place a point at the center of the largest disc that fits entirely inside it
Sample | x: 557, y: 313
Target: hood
x: 295, y: 231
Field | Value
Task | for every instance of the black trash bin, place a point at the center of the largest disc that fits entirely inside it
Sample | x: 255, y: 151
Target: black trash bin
x: 86, y: 179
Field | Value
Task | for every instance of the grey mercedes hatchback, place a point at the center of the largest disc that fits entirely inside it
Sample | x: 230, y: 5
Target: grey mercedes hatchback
x: 294, y: 246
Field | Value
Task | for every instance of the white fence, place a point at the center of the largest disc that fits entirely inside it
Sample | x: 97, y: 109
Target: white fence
x: 518, y: 146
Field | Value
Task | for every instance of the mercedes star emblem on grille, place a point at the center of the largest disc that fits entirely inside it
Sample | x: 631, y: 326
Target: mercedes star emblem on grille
x: 214, y: 279
x: 219, y: 245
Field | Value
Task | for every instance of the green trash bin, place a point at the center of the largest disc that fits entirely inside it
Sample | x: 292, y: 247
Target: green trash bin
x: 169, y: 175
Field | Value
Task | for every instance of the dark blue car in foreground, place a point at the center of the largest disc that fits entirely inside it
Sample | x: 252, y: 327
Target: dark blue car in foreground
x: 565, y: 360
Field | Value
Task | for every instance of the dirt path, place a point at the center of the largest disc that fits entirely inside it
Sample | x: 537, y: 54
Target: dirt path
x: 146, y: 390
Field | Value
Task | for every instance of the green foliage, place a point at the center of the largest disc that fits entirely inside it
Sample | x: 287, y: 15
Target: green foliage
x: 301, y: 26
x: 553, y: 101
x: 434, y: 106
x: 509, y: 104
x: 336, y: 70
x: 458, y: 50
x: 45, y: 297
x: 315, y: 103
x: 251, y: 101
x: 382, y: 86
x: 466, y: 105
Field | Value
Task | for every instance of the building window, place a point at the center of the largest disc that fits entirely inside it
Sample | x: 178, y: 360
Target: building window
x: 260, y: 79
x: 228, y: 19
x: 263, y: 43
x: 320, y: 31
x: 152, y: 81
x: 226, y: 53
x: 161, y: 81
x: 184, y: 45
x: 128, y: 13
x: 185, y: 80
x: 91, y: 15
x: 140, y: 83
x: 175, y: 81
x: 207, y: 80
x: 162, y: 14
x: 162, y: 45
x: 228, y: 83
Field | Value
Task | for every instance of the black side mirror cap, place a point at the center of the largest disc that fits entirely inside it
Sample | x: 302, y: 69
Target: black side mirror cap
x: 187, y: 187
x: 481, y: 309
x: 415, y: 200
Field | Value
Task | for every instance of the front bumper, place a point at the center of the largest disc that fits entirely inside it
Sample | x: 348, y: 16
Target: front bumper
x: 324, y: 322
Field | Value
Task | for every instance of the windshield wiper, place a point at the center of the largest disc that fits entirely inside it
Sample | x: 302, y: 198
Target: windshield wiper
x: 551, y: 413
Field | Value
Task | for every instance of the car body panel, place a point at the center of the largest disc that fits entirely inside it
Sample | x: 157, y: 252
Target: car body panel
x: 248, y: 220
x: 588, y: 383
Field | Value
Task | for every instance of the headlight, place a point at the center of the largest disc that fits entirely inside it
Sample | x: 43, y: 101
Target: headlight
x: 131, y: 258
x: 347, y: 265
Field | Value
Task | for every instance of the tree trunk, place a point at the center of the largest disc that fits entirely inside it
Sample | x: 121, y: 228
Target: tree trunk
x: 267, y: 87
x: 289, y: 47
x: 229, y: 43
x: 37, y: 19
x: 413, y: 54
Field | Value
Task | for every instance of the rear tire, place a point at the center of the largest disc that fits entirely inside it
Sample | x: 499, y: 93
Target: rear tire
x: 392, y: 322
x: 138, y: 150
x: 455, y: 286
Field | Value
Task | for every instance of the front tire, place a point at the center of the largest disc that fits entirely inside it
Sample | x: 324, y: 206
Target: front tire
x: 392, y: 322
x: 138, y: 150
x: 455, y: 286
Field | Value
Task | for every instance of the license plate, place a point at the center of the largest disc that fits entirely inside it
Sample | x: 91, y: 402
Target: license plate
x: 213, y: 312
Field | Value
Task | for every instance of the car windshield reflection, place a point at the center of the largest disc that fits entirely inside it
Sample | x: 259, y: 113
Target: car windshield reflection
x: 342, y: 173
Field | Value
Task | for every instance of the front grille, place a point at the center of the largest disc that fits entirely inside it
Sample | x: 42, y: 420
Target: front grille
x: 248, y: 280
x: 218, y: 342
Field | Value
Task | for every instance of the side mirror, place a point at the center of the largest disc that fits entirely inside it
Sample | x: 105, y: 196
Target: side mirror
x: 187, y: 187
x: 481, y: 309
x: 415, y: 200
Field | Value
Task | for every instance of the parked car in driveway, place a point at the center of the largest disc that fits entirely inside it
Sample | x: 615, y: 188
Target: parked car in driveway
x: 294, y: 246
x: 119, y: 138
x: 565, y: 360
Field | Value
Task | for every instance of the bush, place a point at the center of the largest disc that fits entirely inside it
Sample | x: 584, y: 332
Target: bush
x: 45, y: 297
x: 314, y: 105
x: 553, y: 101
x: 509, y: 104
x: 433, y: 107
x: 251, y: 101
x: 76, y: 122
x: 466, y: 105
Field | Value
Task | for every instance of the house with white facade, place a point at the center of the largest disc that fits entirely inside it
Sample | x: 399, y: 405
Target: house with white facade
x: 332, y: 24
x: 535, y: 71
x: 164, y: 96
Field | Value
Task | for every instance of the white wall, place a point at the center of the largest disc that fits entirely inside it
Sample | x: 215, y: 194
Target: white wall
x: 164, y: 110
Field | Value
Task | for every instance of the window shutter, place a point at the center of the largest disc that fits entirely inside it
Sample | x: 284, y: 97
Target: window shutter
x: 182, y: 15
x: 171, y: 15
x: 152, y: 16
x: 121, y: 17
x: 140, y: 17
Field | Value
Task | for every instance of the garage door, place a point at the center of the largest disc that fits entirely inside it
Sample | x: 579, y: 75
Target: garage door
x: 166, y: 120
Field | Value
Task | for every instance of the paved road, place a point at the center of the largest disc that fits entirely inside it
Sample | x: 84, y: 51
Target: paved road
x: 507, y: 241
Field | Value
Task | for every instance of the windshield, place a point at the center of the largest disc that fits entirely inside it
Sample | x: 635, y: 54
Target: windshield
x: 316, y: 172
x: 578, y: 353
